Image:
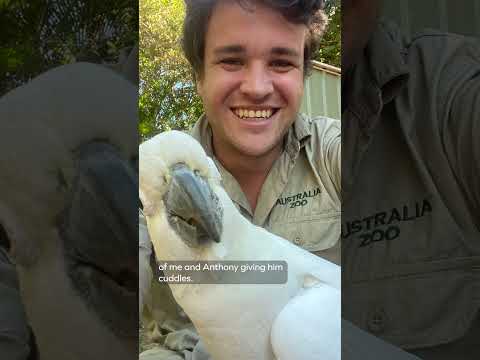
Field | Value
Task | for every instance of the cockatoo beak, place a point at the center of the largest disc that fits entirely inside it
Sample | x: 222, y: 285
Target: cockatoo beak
x: 99, y: 233
x: 193, y: 208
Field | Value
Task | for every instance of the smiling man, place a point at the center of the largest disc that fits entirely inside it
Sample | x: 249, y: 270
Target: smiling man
x: 255, y: 58
x: 280, y: 168
x: 251, y: 85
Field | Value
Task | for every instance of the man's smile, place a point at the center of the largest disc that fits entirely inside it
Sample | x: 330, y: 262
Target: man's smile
x: 254, y: 114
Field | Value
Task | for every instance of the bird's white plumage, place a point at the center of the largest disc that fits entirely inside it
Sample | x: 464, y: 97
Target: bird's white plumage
x: 317, y: 309
x: 235, y: 321
x: 53, y: 114
x: 42, y: 123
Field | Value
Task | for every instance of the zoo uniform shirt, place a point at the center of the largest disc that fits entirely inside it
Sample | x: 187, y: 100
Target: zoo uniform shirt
x: 300, y: 199
x: 411, y: 189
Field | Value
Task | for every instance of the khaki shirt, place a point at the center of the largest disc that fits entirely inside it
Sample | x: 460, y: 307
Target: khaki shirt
x: 300, y: 199
x: 411, y: 182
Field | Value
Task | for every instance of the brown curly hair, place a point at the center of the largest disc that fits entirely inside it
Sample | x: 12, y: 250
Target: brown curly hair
x: 198, y: 12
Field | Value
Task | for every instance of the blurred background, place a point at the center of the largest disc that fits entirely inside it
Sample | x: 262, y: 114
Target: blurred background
x: 460, y: 16
x: 39, y: 35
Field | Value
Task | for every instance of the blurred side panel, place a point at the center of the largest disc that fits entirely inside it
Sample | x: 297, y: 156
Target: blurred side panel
x: 69, y: 179
x: 411, y: 190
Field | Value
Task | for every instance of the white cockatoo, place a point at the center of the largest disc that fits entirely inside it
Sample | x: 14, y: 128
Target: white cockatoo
x: 190, y: 217
x: 69, y: 204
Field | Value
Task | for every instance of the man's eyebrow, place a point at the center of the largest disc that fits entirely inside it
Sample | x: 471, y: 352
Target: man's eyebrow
x: 284, y: 51
x: 238, y: 49
x: 229, y: 49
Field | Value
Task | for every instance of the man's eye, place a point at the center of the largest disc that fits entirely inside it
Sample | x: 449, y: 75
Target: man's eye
x: 231, y: 62
x: 281, y: 64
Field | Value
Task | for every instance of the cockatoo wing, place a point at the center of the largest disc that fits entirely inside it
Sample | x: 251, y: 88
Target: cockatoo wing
x: 308, y: 327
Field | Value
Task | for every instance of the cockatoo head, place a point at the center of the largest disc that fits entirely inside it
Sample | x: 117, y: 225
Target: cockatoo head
x: 177, y: 182
x: 69, y: 206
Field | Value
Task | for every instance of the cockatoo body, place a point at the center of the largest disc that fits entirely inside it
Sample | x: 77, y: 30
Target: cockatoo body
x: 68, y: 206
x: 191, y: 217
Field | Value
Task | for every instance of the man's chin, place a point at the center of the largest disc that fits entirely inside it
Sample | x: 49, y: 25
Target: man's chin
x: 256, y: 148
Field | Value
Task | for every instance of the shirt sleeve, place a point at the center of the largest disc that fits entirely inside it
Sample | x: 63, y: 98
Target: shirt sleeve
x: 462, y: 129
x: 326, y: 148
x: 334, y: 152
x: 14, y: 334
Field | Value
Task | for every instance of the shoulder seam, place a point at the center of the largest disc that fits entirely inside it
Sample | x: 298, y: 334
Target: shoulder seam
x: 428, y: 34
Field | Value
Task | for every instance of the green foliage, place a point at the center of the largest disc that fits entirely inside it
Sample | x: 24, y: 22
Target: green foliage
x: 168, y: 98
x: 330, y: 47
x: 39, y: 35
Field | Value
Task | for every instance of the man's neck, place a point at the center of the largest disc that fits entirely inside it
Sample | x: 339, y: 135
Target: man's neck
x: 250, y: 171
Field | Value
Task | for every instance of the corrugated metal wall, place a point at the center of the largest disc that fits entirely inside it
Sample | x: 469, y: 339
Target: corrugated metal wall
x: 322, y: 92
x: 457, y: 16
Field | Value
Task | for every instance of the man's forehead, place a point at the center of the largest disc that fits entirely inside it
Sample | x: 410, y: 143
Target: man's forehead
x: 233, y: 29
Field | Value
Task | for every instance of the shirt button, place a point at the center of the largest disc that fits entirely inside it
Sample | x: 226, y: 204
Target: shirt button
x: 377, y: 320
x: 297, y: 241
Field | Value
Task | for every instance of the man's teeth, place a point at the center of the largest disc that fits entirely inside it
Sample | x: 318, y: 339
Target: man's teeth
x: 244, y: 113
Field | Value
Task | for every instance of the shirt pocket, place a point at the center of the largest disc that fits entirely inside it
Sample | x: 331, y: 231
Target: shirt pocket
x: 311, y: 232
x: 402, y: 305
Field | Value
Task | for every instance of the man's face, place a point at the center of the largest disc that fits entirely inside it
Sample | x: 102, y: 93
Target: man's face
x: 252, y: 83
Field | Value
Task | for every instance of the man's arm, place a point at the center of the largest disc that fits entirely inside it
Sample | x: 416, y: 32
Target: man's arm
x: 14, y: 333
x: 334, y: 152
x: 144, y: 270
x: 327, y: 153
x: 462, y: 140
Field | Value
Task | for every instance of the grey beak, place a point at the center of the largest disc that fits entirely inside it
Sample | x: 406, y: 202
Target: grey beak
x: 99, y: 230
x: 194, y: 209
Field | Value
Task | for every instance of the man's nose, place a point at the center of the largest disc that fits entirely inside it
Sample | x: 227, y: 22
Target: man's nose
x: 257, y: 83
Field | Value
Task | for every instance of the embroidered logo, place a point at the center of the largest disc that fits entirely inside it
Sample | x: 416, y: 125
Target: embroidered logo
x: 384, y: 225
x: 300, y: 199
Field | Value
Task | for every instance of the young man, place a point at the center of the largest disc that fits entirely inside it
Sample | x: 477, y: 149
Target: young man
x: 411, y: 190
x: 281, y: 169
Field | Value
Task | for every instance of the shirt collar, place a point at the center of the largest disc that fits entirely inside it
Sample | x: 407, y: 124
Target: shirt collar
x: 380, y: 75
x: 297, y: 136
x: 202, y: 132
